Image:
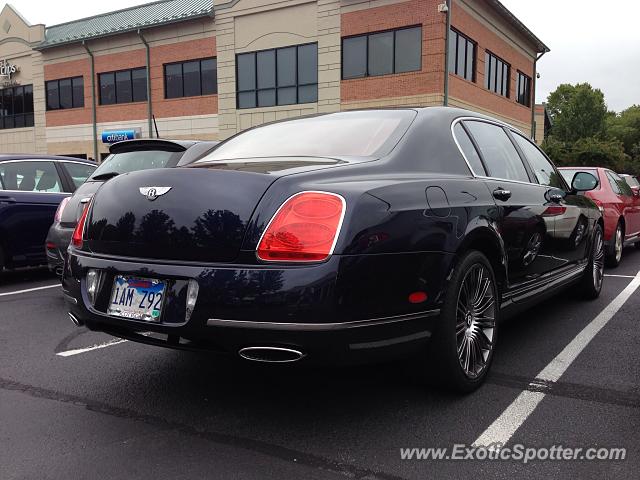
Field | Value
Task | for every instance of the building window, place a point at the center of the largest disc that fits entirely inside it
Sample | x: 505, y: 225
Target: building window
x: 382, y: 53
x: 125, y: 86
x: 283, y: 76
x: 462, y: 56
x: 191, y: 79
x: 524, y: 90
x: 65, y: 93
x: 16, y: 107
x: 497, y: 74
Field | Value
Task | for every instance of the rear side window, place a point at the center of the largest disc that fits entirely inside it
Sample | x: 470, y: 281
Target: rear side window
x: 139, y: 160
x: 30, y: 176
x: 79, y: 172
x: 542, y: 168
x: 499, y: 154
x: 468, y: 150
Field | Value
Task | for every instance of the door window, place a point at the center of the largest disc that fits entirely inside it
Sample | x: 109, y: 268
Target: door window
x: 619, y: 186
x: 30, y: 176
x: 79, y: 172
x: 499, y: 154
x: 542, y: 167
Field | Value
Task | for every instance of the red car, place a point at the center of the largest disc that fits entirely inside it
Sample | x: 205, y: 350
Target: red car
x: 620, y: 207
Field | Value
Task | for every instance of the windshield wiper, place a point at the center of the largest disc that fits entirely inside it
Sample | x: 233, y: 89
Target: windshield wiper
x: 105, y: 176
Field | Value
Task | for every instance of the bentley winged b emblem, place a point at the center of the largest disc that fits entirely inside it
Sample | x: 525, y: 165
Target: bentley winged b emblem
x: 153, y: 192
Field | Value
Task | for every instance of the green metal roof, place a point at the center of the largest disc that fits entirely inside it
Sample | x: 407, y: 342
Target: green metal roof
x: 129, y: 19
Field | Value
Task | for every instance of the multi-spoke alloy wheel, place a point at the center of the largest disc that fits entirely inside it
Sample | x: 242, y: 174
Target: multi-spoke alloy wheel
x: 475, y: 320
x: 598, y: 260
x: 590, y: 285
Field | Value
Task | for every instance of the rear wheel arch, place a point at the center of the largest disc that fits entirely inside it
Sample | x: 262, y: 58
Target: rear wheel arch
x: 486, y: 241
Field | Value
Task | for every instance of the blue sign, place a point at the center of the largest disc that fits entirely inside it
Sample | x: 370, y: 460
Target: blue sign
x: 118, y: 135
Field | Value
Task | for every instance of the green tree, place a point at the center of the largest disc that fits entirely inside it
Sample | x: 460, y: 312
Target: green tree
x: 626, y: 128
x: 578, y: 111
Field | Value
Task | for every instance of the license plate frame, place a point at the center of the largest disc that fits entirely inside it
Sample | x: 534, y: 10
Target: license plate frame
x: 125, y: 301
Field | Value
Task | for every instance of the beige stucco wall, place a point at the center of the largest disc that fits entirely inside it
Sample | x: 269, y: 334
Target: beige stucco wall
x: 17, y: 39
x: 251, y: 25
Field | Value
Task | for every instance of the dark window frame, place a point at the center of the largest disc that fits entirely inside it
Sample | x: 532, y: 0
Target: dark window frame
x: 276, y: 87
x: 26, y: 118
x: 393, y: 49
x: 505, y: 89
x: 57, y: 81
x: 525, y: 97
x: 474, y: 68
x: 115, y: 86
x: 181, y: 63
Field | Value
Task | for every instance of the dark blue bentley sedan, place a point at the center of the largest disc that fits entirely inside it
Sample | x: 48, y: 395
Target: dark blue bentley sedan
x: 31, y: 188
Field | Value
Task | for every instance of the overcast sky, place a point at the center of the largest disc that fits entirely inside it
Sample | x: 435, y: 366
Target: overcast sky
x: 590, y: 40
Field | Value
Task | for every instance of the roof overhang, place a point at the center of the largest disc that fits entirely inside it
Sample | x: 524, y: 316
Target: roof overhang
x: 121, y: 21
x: 519, y: 26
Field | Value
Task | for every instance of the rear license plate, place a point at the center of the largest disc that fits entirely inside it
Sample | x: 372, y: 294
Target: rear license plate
x: 137, y: 298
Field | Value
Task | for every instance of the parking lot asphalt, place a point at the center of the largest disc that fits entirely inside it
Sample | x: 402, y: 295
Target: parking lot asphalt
x: 79, y: 404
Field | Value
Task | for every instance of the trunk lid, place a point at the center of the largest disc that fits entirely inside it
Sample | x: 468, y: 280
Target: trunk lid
x: 196, y: 215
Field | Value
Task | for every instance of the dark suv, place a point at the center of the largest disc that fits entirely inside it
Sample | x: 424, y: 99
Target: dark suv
x: 127, y: 156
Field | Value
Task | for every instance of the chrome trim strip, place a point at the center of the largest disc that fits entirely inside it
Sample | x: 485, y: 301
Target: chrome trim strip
x: 318, y: 327
x: 545, y: 283
x: 335, y: 239
x: 297, y: 353
x: 391, y: 341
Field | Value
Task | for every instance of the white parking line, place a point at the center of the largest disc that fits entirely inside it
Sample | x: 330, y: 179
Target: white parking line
x: 30, y: 290
x: 78, y: 351
x: 503, y: 428
x: 618, y: 276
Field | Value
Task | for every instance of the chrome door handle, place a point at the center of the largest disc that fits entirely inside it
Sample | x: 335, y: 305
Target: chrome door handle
x: 502, y: 194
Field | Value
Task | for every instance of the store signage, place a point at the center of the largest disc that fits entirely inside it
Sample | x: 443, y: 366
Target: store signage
x: 113, y: 136
x: 7, y: 69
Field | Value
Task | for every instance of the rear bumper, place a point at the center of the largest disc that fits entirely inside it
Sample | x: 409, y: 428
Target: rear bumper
x: 58, y: 240
x: 349, y: 308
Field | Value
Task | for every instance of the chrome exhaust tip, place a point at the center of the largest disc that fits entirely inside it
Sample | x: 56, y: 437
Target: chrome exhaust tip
x: 271, y: 354
x: 76, y: 321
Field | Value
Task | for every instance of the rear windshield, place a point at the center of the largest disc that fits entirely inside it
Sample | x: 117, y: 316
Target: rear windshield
x: 133, y: 161
x: 345, y: 134
x: 568, y: 174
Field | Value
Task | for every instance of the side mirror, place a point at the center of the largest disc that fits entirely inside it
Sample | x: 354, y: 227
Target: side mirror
x: 584, y: 182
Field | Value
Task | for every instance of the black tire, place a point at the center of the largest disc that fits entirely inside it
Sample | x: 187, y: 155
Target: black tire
x: 591, y: 284
x: 637, y: 245
x: 614, y: 255
x: 1, y: 260
x: 458, y: 327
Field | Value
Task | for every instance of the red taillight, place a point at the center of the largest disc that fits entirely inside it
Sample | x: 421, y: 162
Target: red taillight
x: 304, y: 229
x: 78, y: 233
x: 60, y: 209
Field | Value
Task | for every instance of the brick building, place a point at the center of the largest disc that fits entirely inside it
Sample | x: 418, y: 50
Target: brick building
x: 209, y: 68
